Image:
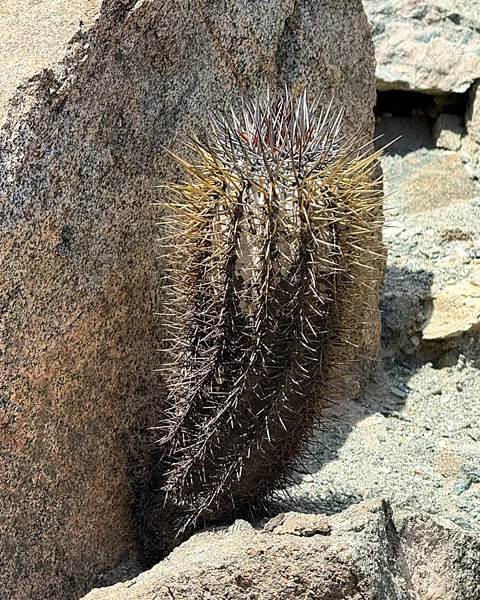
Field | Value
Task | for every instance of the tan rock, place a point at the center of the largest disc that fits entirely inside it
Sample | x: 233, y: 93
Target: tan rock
x: 448, y: 131
x: 471, y: 143
x: 429, y: 46
x: 366, y: 553
x: 81, y: 161
x: 472, y: 119
x: 455, y: 310
x: 302, y: 524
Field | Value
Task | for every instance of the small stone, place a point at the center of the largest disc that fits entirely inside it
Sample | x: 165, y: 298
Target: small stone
x: 415, y: 340
x: 472, y: 474
x: 475, y: 434
x: 472, y: 169
x: 475, y: 202
x: 392, y: 229
x: 467, y: 504
x: 396, y: 391
x: 300, y: 524
x: 461, y: 486
x: 461, y: 522
x: 397, y: 415
x: 240, y: 525
x: 448, y: 131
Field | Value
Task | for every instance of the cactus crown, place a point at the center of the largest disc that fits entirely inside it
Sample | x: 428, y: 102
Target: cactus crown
x: 284, y: 137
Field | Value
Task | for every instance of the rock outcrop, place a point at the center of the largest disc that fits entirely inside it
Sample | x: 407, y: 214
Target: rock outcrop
x: 364, y: 552
x: 431, y: 46
x: 81, y: 161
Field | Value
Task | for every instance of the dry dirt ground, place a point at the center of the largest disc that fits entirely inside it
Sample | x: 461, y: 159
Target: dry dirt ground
x: 414, y: 436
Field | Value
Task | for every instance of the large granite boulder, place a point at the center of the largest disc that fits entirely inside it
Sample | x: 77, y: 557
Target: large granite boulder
x: 364, y: 552
x: 81, y: 161
x: 429, y: 46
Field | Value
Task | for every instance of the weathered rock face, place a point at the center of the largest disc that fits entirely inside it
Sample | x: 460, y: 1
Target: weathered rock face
x: 44, y: 28
x: 81, y: 161
x: 456, y: 310
x: 471, y: 143
x: 431, y: 46
x: 473, y: 116
x: 360, y: 553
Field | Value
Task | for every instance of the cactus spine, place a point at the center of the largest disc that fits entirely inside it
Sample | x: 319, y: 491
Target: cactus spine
x: 277, y: 218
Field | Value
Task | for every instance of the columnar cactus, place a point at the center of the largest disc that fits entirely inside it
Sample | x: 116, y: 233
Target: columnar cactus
x: 277, y: 217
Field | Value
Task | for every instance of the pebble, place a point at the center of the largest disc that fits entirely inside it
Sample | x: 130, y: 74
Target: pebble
x: 396, y: 391
x: 475, y: 202
x: 475, y: 434
x: 472, y: 474
x: 397, y: 415
x: 460, y: 521
x: 467, y: 504
x: 461, y: 486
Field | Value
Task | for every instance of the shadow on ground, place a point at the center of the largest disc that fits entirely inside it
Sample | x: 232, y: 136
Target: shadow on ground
x: 406, y: 304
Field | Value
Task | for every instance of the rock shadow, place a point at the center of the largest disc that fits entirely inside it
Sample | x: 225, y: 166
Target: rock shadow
x: 410, y: 133
x: 406, y: 306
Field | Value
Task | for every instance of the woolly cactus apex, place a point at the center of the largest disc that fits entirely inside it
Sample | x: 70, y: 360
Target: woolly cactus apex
x: 273, y: 236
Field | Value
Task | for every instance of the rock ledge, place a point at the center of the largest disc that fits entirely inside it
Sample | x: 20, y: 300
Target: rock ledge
x: 364, y: 552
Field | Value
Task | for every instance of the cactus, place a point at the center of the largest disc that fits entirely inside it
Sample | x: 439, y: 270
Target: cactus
x: 277, y: 218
